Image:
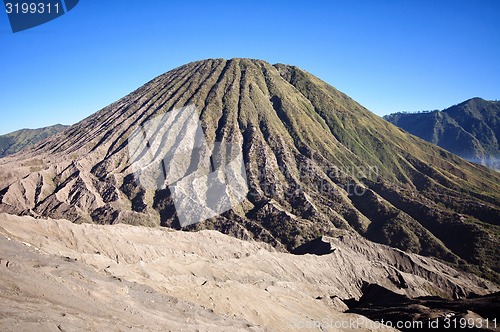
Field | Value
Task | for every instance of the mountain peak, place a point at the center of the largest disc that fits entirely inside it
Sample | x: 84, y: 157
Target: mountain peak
x: 476, y: 107
x: 316, y: 162
x: 473, y: 102
x: 474, y: 99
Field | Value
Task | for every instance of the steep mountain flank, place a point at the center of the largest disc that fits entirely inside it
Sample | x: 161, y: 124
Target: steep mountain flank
x: 25, y: 138
x: 317, y: 163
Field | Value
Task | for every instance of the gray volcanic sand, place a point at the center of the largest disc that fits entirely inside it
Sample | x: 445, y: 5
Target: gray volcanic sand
x: 60, y: 276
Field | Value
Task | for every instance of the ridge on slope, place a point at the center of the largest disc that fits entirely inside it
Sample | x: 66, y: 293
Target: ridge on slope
x: 470, y: 129
x: 317, y: 163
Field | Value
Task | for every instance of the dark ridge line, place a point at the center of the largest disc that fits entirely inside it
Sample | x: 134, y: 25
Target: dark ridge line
x: 431, y: 226
x: 58, y: 188
x: 213, y: 90
x: 340, y: 145
x: 213, y: 68
x: 267, y: 138
x: 133, y: 98
x: 95, y: 119
x: 223, y: 119
x: 246, y: 144
x: 38, y: 189
x: 151, y: 103
x: 266, y: 75
x: 177, y: 144
x: 284, y: 122
x: 243, y: 81
x: 228, y: 90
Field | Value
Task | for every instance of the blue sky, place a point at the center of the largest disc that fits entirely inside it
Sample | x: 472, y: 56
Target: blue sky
x: 388, y: 55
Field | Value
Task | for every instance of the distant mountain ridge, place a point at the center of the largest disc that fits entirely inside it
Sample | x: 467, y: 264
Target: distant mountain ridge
x: 470, y: 129
x: 19, y: 140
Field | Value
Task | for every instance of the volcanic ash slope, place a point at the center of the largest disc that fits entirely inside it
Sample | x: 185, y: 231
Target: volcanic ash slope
x: 55, y: 274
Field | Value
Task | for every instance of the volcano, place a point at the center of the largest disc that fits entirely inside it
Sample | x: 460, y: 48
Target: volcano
x: 316, y: 162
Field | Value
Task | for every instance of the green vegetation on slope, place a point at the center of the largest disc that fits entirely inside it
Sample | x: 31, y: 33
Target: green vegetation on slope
x: 19, y: 140
x: 470, y: 129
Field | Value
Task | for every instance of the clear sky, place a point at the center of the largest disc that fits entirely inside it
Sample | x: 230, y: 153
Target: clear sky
x: 388, y: 55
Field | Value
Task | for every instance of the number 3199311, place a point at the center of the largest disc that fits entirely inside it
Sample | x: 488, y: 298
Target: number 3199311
x: 31, y: 8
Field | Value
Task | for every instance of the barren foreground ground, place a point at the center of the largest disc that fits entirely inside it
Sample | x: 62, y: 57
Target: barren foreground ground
x: 60, y: 276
